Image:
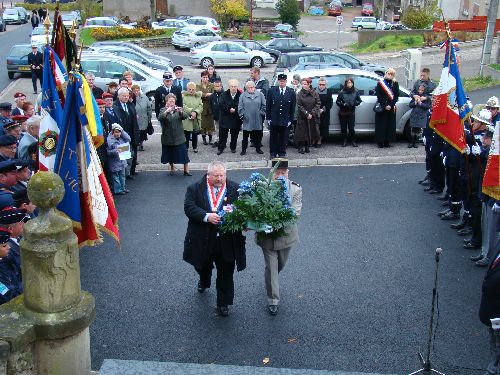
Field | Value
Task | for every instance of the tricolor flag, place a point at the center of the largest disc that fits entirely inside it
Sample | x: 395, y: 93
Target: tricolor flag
x: 491, y: 179
x: 92, y: 113
x: 449, y: 108
x: 87, y: 201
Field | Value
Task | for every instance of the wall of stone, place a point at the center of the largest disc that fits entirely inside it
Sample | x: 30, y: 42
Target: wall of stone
x: 135, y: 9
x: 190, y: 8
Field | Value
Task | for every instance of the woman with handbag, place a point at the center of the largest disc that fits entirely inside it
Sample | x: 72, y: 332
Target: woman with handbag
x: 193, y: 106
x: 347, y: 100
x: 144, y: 114
x: 308, y: 104
x: 387, y: 92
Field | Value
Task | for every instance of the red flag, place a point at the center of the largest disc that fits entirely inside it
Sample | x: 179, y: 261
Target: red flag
x: 491, y: 179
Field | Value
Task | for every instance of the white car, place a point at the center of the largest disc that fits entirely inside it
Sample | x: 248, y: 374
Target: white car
x: 107, y: 22
x: 228, y: 53
x: 189, y: 37
x: 13, y: 15
x: 204, y: 22
x: 169, y: 23
x: 39, y: 37
x: 68, y: 20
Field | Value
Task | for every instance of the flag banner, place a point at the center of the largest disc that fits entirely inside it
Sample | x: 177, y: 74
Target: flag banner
x: 87, y: 201
x: 51, y: 113
x: 61, y: 41
x: 450, y: 108
x: 491, y: 179
x: 92, y: 115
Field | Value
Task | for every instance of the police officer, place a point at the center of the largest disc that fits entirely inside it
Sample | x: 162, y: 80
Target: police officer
x: 8, y: 178
x: 8, y: 146
x: 35, y: 61
x: 10, y: 277
x: 165, y: 89
x: 179, y: 80
x: 280, y: 109
x: 12, y: 221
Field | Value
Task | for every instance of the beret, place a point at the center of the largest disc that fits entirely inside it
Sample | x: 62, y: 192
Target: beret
x: 7, y: 140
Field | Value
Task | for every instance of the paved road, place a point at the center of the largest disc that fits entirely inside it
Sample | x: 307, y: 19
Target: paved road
x: 356, y: 291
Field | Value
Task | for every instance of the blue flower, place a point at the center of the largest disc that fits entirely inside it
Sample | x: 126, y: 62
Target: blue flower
x: 245, y: 188
x: 255, y: 176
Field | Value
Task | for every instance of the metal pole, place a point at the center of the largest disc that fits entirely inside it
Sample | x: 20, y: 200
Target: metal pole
x: 488, y: 39
x: 338, y: 36
x: 383, y: 10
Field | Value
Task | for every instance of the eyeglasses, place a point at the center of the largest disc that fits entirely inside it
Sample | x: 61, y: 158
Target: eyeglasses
x: 321, y: 84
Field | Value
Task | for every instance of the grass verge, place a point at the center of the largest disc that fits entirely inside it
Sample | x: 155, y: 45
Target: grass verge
x: 495, y: 66
x: 477, y: 83
x: 389, y: 43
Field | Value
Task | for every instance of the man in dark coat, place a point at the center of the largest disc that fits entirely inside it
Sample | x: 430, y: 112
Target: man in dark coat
x: 35, y: 61
x: 162, y: 91
x: 127, y: 115
x: 10, y: 276
x: 280, y: 109
x: 204, y: 245
x: 214, y: 106
x: 229, y: 120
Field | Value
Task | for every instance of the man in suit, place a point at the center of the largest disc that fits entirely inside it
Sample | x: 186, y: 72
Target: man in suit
x: 127, y: 116
x: 280, y: 111
x: 204, y: 245
x: 109, y: 116
x: 490, y: 309
x: 35, y: 60
x: 162, y: 91
x: 276, y: 250
x: 179, y: 80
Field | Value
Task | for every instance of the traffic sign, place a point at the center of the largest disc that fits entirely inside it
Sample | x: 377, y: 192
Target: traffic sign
x: 340, y: 20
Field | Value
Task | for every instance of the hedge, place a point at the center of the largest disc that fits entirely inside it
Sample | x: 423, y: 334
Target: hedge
x: 62, y: 7
x: 109, y: 33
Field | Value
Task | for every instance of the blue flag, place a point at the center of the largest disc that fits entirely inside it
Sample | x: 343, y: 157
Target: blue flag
x: 458, y: 96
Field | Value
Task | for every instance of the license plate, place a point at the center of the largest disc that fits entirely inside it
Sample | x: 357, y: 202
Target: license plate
x: 24, y: 68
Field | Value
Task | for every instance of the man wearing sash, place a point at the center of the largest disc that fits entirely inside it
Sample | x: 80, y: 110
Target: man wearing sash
x: 204, y: 245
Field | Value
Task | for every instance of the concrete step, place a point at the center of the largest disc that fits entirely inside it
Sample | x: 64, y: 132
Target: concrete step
x: 125, y: 367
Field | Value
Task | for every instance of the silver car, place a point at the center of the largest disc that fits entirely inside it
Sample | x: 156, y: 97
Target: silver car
x: 13, y: 15
x: 189, y: 37
x: 169, y: 23
x: 152, y: 61
x: 365, y: 82
x: 228, y: 53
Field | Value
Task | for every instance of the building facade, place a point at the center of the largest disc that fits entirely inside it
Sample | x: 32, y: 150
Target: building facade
x: 455, y: 9
x: 137, y: 9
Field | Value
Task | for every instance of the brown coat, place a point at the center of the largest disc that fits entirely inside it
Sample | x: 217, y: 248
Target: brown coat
x: 207, y: 120
x: 308, y: 102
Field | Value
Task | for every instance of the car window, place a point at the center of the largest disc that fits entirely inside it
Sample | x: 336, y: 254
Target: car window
x: 352, y: 60
x: 356, y: 19
x: 131, y: 56
x: 295, y: 43
x: 235, y: 48
x: 365, y: 85
x: 283, y: 61
x: 309, y: 59
x: 91, y: 67
x: 208, y: 33
x: 281, y: 43
x: 113, y: 69
x: 332, y: 59
x: 221, y: 47
x: 19, y: 51
x: 249, y: 45
x: 334, y: 82
x: 200, y: 22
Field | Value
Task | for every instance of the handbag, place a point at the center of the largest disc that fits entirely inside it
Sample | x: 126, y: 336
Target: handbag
x: 150, y: 130
x: 377, y: 108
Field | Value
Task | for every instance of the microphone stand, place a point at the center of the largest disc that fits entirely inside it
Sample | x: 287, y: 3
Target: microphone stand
x: 426, y: 363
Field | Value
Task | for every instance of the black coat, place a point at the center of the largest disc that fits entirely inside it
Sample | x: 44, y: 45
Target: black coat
x: 200, y: 236
x: 228, y: 120
x: 490, y: 298
x: 214, y: 104
x: 385, y: 121
x: 161, y: 93
x: 36, y: 59
x: 10, y: 279
x: 280, y: 109
x: 128, y: 121
x: 347, y: 100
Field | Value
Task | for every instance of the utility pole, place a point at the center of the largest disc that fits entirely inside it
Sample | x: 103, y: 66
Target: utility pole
x: 383, y: 10
x: 488, y: 39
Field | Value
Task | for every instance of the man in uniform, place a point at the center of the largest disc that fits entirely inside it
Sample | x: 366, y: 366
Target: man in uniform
x: 8, y: 178
x: 276, y: 250
x: 35, y: 61
x: 10, y: 277
x: 12, y: 221
x: 162, y: 91
x: 204, y: 244
x: 179, y: 80
x: 280, y: 109
x: 19, y: 98
x: 8, y: 146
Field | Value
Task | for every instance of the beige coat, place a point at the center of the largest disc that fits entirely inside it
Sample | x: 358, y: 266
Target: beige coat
x: 192, y: 103
x: 291, y: 236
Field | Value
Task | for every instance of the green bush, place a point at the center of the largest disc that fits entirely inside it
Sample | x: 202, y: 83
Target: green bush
x: 416, y: 18
x: 63, y: 7
x: 409, y: 40
x: 382, y: 45
x: 89, y: 9
x: 289, y: 12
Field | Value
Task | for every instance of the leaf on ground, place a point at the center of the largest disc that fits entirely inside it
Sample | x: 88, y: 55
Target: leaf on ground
x: 265, y: 360
x: 292, y: 340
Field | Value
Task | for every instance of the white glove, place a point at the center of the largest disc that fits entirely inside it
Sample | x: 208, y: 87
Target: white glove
x: 467, y: 150
x: 268, y: 122
x: 424, y: 140
x: 496, y: 208
x: 444, y: 161
x: 476, y: 150
x: 289, y: 123
x: 268, y: 229
x: 441, y: 154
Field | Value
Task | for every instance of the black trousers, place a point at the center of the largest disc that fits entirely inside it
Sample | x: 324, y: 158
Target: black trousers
x: 453, y: 186
x: 278, y: 139
x: 437, y: 173
x: 223, y: 133
x: 476, y: 211
x: 347, y: 122
x: 255, y: 138
x: 36, y: 75
x: 193, y: 137
x: 133, y: 146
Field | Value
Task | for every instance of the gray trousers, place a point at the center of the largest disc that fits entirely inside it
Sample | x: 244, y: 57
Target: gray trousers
x: 491, y: 238
x: 275, y: 261
x: 494, y: 365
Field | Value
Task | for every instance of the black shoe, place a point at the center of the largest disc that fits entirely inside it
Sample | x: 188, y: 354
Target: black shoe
x: 317, y: 145
x: 410, y: 145
x: 426, y: 183
x: 344, y: 143
x: 387, y: 144
x: 353, y: 143
x: 475, y: 258
x: 462, y: 223
x: 130, y: 177
x: 273, y: 309
x: 187, y: 174
x: 444, y: 212
x: 465, y: 231
x: 259, y: 151
x: 426, y: 179
x: 301, y: 151
x: 471, y: 246
x: 243, y: 152
x: 445, y: 204
x: 220, y: 152
x: 307, y: 149
x: 443, y: 197
x: 429, y: 188
x: 451, y: 216
x: 415, y: 145
x: 233, y: 151
x: 201, y: 288
x: 485, y: 262
x: 435, y: 191
x: 215, y: 144
x: 134, y: 173
x: 380, y: 145
x: 467, y: 240
x: 223, y: 311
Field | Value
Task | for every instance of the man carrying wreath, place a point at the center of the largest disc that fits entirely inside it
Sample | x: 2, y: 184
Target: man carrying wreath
x: 204, y: 245
x: 276, y: 249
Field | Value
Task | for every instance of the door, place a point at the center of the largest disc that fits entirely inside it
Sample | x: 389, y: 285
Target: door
x: 295, y: 46
x: 220, y: 54
x: 238, y: 54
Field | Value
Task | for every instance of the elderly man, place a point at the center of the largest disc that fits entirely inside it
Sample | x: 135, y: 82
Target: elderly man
x: 8, y: 147
x: 229, y: 120
x: 165, y: 89
x: 204, y: 244
x: 8, y: 178
x: 19, y: 98
x: 276, y: 250
x: 127, y: 116
x: 96, y: 91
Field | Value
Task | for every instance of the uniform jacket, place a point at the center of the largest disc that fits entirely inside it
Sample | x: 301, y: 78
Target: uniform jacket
x: 227, y: 119
x: 114, y: 162
x: 15, y: 254
x: 200, y: 236
x: 291, y: 236
x: 10, y: 280
x: 326, y: 99
x: 172, y: 131
x: 17, y: 112
x: 182, y: 83
x: 252, y: 109
x: 280, y: 109
x: 36, y: 60
x: 214, y: 104
x: 192, y: 103
x: 144, y: 111
x: 419, y: 114
x: 128, y: 121
x: 161, y: 93
x: 490, y: 297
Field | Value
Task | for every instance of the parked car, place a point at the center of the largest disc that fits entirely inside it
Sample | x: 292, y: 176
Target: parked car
x: 152, y: 61
x: 17, y: 60
x: 360, y: 23
x: 24, y: 13
x: 131, y: 46
x: 107, y: 67
x: 107, y: 22
x: 3, y: 25
x: 288, y: 61
x: 383, y: 25
x: 228, y: 53
x: 35, y: 1
x: 256, y: 46
x: 335, y: 8
x: 38, y: 35
x: 13, y: 16
x: 319, y: 66
x: 183, y: 17
x: 169, y: 23
x: 367, y: 9
x: 365, y: 82
x: 78, y: 16
x: 283, y: 30
x: 290, y: 45
x: 204, y: 22
x: 68, y: 20
x: 189, y: 37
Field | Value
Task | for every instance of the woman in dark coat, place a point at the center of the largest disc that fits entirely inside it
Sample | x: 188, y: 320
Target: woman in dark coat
x: 419, y: 114
x: 347, y: 100
x: 308, y: 104
x: 387, y: 92
x: 212, y: 74
x: 229, y: 120
x: 173, y: 141
x: 325, y: 96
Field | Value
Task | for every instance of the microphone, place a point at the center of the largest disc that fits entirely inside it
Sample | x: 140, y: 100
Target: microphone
x: 438, y: 253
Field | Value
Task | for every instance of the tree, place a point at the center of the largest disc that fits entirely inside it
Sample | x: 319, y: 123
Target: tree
x: 228, y: 10
x: 420, y: 17
x: 289, y: 12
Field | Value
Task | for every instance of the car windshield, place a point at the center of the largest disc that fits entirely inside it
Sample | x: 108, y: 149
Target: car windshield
x: 19, y: 51
x: 282, y: 27
x: 68, y: 17
x: 39, y: 31
x: 11, y: 11
x: 351, y: 59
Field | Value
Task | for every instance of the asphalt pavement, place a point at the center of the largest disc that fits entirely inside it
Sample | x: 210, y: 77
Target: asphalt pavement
x: 356, y: 291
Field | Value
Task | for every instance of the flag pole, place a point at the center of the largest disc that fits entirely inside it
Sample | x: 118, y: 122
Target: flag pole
x: 56, y: 23
x: 72, y: 34
x: 47, y: 24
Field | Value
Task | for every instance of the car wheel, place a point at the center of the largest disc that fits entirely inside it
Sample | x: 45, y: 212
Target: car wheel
x: 257, y: 62
x: 275, y: 58
x: 177, y: 47
x: 205, y: 62
x: 197, y: 44
x: 360, y: 28
x: 11, y: 75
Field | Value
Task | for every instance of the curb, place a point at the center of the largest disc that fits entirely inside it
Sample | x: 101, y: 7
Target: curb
x: 300, y: 163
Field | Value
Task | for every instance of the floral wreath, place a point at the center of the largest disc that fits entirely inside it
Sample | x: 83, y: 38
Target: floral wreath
x: 48, y: 143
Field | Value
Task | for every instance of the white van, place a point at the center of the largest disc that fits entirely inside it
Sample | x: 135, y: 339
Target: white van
x: 360, y: 23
